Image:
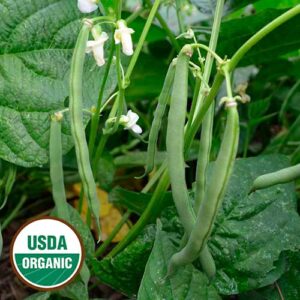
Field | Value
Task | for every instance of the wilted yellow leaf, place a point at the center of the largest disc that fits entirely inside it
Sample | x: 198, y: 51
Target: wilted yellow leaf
x: 109, y: 215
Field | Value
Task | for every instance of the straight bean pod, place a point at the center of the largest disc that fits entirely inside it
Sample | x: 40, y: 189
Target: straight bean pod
x: 158, y: 115
x: 56, y: 168
x: 279, y: 177
x: 214, y: 193
x: 77, y: 127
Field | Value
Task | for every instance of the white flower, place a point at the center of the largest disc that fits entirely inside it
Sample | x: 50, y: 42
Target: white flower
x: 129, y: 122
x: 123, y: 35
x: 97, y: 47
x: 87, y: 6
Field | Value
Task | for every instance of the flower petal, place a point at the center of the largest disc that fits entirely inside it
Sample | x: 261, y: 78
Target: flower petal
x: 98, y: 53
x: 117, y: 36
x: 133, y: 118
x: 136, y: 129
x: 86, y: 6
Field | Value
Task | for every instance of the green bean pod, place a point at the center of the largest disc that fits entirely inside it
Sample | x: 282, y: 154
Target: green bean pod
x: 214, y: 193
x: 175, y: 139
x: 77, y: 127
x: 282, y: 176
x: 158, y: 115
x: 56, y: 168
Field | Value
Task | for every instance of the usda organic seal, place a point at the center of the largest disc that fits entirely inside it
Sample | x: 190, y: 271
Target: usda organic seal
x: 46, y: 253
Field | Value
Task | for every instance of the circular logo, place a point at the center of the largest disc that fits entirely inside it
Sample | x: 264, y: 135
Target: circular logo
x: 46, y: 253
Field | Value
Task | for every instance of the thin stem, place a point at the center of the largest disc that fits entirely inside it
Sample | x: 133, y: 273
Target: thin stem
x: 151, y: 212
x: 208, y: 49
x: 141, y: 40
x: 209, y: 57
x: 112, y: 235
x: 179, y: 16
x: 103, y: 19
x: 287, y: 99
x: 166, y: 28
x: 155, y: 177
x: 14, y: 212
x: 96, y: 114
x: 134, y: 15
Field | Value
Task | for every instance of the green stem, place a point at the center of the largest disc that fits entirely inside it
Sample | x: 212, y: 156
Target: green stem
x: 287, y: 99
x: 209, y: 57
x: 112, y: 235
x: 166, y: 28
x: 96, y: 114
x: 151, y: 212
x: 134, y: 15
x: 179, y: 16
x: 141, y: 41
x: 14, y: 212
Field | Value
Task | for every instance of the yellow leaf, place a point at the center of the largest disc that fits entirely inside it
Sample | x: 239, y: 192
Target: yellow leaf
x: 109, y: 215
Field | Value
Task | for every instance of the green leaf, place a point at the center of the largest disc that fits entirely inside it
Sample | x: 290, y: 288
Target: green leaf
x: 282, y: 40
x: 125, y: 270
x: 186, y: 283
x: 288, y: 284
x: 36, y: 45
x: 105, y: 171
x: 151, y: 69
x: 39, y: 296
x: 252, y: 231
x: 83, y: 230
x: 76, y: 290
x: 137, y: 202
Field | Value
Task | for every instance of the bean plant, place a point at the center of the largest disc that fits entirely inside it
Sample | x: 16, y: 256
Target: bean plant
x: 184, y: 114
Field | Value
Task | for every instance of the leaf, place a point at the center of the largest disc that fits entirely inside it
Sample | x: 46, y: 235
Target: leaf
x: 125, y: 270
x: 39, y: 296
x: 186, y: 283
x: 282, y: 40
x: 288, y: 284
x: 252, y: 231
x: 106, y: 171
x: 36, y: 45
x: 154, y: 71
x: 76, y: 290
x: 83, y: 230
x: 137, y: 202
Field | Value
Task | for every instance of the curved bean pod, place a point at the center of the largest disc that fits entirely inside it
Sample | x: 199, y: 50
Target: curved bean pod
x: 56, y: 168
x: 214, y: 193
x: 77, y: 128
x: 158, y: 115
x: 278, y: 177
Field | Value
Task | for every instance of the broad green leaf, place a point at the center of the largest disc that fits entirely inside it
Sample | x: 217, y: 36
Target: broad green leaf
x: 106, y: 171
x: 36, y: 44
x: 288, y: 285
x: 125, y: 270
x: 282, y: 40
x: 147, y: 78
x: 137, y: 202
x: 186, y: 283
x: 252, y: 231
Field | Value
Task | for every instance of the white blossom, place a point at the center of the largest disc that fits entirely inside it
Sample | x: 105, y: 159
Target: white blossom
x: 123, y: 35
x: 97, y: 47
x: 129, y: 122
x: 87, y: 6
